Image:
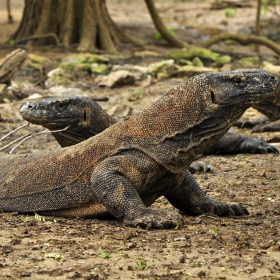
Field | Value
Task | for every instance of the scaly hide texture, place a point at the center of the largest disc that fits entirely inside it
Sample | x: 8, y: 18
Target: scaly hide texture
x: 129, y: 165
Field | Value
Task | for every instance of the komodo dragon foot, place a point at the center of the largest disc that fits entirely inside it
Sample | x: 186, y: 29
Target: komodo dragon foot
x: 155, y: 219
x: 218, y: 208
x: 268, y: 127
x: 200, y: 166
x: 257, y: 146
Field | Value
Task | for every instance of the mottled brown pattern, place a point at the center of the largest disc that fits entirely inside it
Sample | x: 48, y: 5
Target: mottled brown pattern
x: 130, y: 164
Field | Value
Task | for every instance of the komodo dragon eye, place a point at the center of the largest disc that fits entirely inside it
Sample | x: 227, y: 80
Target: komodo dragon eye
x: 238, y: 81
x: 212, y: 96
x: 61, y: 105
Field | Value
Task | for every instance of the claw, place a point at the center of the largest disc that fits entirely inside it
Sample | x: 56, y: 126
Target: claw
x: 155, y: 219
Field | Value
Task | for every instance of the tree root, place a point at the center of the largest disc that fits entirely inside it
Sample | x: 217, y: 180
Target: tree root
x: 170, y: 38
x: 243, y: 40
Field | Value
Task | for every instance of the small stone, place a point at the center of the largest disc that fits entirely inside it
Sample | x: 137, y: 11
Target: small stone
x: 118, y: 78
x: 189, y: 71
x: 59, y: 91
x: 35, y: 96
x: 6, y: 94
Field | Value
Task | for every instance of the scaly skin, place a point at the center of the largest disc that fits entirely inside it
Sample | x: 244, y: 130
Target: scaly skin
x: 271, y: 119
x: 133, y: 162
x: 86, y: 119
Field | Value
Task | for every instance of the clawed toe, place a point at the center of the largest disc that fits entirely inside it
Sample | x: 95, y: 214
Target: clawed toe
x: 155, y: 219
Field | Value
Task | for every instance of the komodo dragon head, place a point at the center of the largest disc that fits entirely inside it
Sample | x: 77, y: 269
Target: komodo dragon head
x: 84, y: 116
x: 189, y: 118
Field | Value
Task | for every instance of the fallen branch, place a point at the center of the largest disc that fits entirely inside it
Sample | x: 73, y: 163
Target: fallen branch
x: 243, y: 40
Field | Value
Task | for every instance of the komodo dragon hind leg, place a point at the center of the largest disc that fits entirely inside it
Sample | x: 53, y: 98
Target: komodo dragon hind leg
x: 190, y: 198
x: 233, y: 143
x: 267, y: 127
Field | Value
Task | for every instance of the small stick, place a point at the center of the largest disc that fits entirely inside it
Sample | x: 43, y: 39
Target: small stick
x: 30, y: 135
x: 10, y: 133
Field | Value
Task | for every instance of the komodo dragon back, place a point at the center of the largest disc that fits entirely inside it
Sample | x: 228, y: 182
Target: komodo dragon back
x: 163, y: 139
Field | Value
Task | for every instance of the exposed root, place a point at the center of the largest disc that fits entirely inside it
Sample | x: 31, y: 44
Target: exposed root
x: 243, y: 40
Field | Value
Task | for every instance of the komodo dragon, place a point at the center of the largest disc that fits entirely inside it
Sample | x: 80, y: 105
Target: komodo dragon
x: 124, y: 169
x: 271, y: 119
x: 270, y: 108
x: 86, y: 119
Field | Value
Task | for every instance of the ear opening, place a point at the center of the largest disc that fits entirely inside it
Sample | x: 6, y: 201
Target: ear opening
x: 212, y: 96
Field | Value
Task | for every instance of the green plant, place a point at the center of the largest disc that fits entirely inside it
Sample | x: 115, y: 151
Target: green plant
x: 170, y: 29
x: 103, y: 254
x: 141, y: 265
x: 230, y: 12
x: 214, y: 231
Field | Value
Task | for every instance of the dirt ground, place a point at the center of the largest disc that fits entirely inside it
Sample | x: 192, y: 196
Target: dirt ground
x: 205, y: 247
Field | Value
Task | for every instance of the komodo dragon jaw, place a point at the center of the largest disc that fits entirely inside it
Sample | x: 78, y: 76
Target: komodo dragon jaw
x: 128, y: 166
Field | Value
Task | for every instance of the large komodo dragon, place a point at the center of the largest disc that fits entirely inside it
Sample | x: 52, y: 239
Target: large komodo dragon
x: 86, y: 118
x: 128, y: 166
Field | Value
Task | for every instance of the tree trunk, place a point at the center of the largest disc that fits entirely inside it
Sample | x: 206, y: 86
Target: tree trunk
x: 85, y: 23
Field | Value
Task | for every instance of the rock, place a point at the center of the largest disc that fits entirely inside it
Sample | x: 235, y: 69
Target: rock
x: 270, y: 67
x: 147, y: 82
x: 58, y: 77
x: 121, y: 111
x: 189, y: 71
x: 138, y: 71
x: 82, y: 61
x: 59, y: 91
x: 146, y: 54
x: 6, y: 94
x: 24, y: 91
x: 99, y: 68
x: 166, y: 67
x: 249, y: 62
x: 191, y: 52
x: 223, y: 59
x: 37, y: 61
x: 163, y: 75
x: 197, y: 62
x: 202, y: 53
x: 97, y: 59
x: 226, y: 68
x: 35, y: 96
x: 117, y: 78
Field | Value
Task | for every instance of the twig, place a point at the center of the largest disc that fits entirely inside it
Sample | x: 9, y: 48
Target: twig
x: 25, y: 137
x: 30, y: 135
x: 10, y: 133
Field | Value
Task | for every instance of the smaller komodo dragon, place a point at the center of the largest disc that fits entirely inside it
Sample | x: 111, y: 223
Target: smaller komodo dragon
x: 86, y: 118
x: 125, y: 168
x: 270, y: 108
